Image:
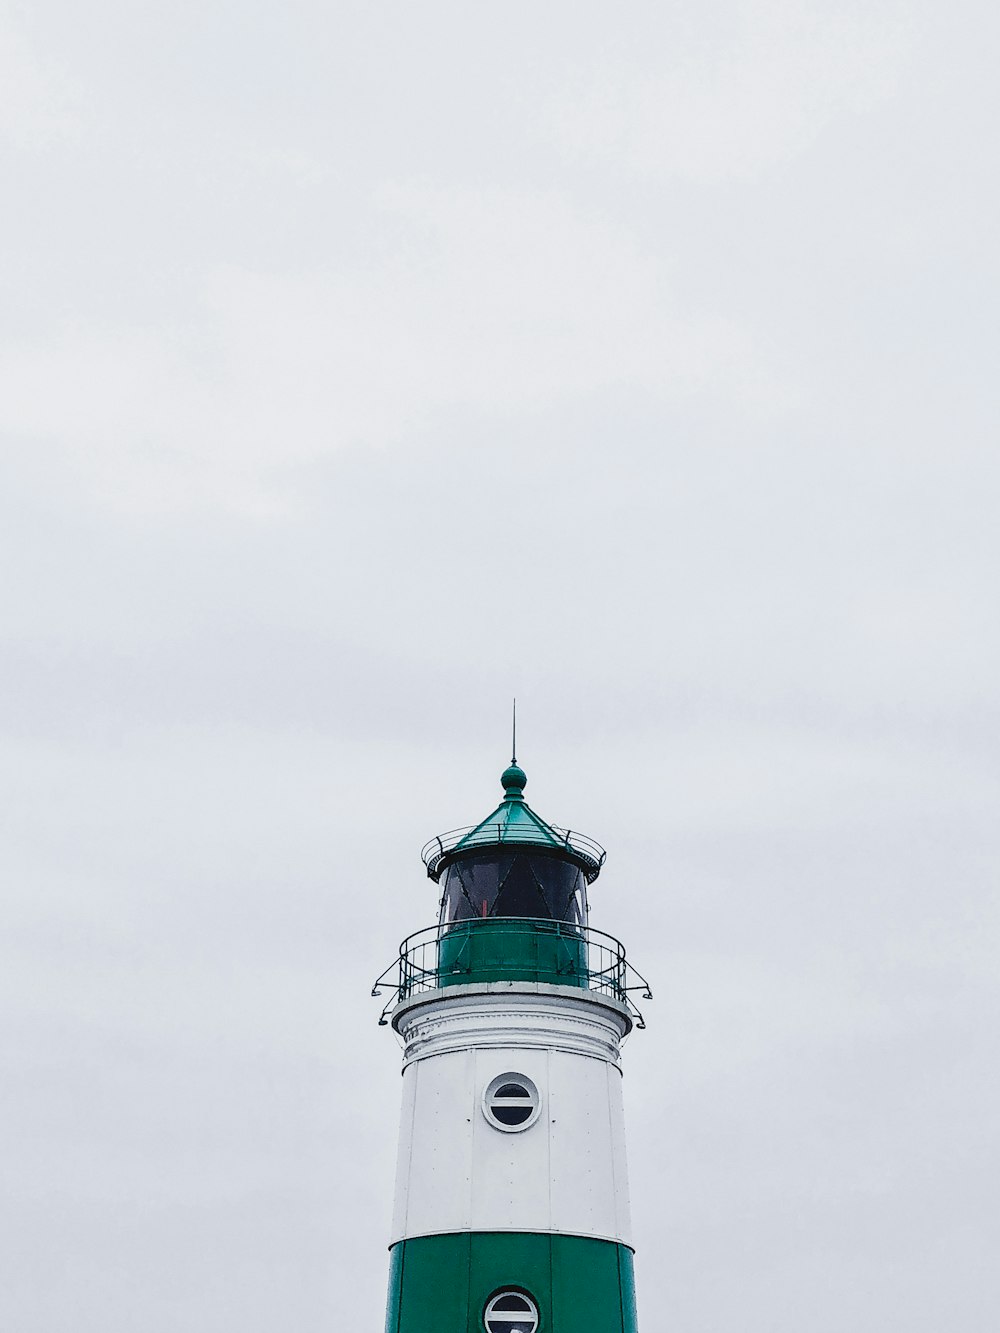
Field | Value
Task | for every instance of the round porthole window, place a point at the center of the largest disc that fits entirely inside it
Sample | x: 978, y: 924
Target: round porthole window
x: 511, y: 1312
x: 511, y: 1103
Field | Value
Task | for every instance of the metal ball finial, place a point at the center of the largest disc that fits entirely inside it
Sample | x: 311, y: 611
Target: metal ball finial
x: 513, y: 780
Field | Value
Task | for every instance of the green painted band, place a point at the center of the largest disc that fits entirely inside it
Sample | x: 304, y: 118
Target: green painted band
x: 441, y: 1284
x: 500, y: 949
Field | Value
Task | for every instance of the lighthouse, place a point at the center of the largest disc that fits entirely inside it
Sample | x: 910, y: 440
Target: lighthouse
x: 512, y: 1204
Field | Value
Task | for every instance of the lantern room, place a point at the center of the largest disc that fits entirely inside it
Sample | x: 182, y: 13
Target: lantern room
x: 513, y: 864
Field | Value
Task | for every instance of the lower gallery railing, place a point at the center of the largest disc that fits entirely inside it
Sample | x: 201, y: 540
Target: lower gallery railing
x: 475, y: 951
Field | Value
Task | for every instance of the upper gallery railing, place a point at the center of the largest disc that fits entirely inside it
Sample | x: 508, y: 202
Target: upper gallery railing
x: 585, y: 849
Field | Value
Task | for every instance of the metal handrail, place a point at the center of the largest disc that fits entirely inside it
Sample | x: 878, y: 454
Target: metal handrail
x: 417, y: 966
x: 589, y: 851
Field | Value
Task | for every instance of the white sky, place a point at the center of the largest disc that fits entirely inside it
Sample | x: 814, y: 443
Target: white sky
x: 364, y: 365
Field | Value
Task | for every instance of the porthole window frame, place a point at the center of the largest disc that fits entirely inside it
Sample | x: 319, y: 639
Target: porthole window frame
x: 489, y: 1095
x: 502, y: 1318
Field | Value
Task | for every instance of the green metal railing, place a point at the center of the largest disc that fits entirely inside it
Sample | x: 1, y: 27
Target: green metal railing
x: 473, y: 952
x: 590, y: 854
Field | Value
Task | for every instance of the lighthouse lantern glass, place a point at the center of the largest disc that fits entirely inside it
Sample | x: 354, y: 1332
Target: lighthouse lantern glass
x: 509, y: 883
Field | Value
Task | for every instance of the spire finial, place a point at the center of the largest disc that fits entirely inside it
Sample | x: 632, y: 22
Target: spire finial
x: 513, y: 778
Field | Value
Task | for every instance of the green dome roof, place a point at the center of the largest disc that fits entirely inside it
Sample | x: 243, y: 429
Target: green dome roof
x: 514, y: 822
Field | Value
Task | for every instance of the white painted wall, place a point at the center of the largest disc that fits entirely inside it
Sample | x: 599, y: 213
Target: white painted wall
x: 565, y: 1173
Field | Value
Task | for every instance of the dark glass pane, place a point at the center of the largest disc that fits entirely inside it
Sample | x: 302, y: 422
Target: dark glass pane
x: 511, y: 1115
x: 509, y: 883
x: 511, y: 1090
x: 471, y: 885
x: 512, y: 1301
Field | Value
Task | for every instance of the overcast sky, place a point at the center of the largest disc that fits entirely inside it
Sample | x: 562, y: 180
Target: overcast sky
x: 363, y: 365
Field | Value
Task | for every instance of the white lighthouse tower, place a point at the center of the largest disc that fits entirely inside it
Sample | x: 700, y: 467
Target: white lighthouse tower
x: 512, y: 1204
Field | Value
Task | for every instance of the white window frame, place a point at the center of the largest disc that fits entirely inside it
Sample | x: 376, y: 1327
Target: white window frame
x: 490, y: 1100
x: 494, y: 1320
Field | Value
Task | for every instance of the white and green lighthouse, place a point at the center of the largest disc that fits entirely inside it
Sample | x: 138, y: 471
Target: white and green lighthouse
x: 512, y: 1203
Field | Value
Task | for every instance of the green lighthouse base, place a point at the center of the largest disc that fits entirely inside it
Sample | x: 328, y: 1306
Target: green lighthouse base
x: 441, y: 1284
